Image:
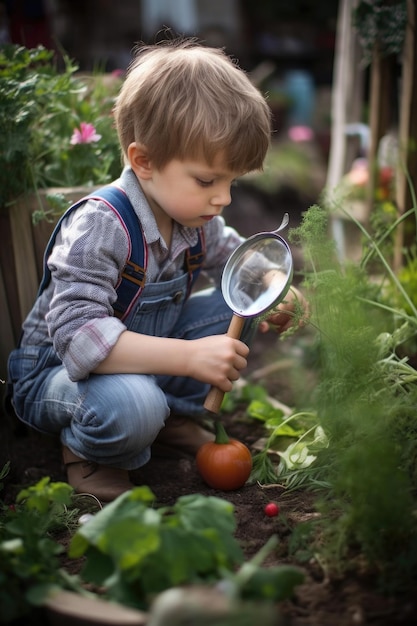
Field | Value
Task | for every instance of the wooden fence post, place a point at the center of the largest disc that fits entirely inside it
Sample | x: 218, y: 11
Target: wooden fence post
x: 21, y: 254
x: 407, y: 163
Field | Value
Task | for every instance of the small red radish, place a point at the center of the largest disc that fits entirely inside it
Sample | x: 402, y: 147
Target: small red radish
x: 271, y: 509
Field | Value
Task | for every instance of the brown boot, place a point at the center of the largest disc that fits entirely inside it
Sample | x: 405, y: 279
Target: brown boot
x: 180, y: 437
x: 102, y: 481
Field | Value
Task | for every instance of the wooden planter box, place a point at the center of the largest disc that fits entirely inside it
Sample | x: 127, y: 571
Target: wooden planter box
x: 21, y: 259
x: 70, y: 609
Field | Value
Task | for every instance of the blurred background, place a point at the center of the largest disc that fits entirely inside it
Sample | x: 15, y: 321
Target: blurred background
x: 287, y: 46
x: 304, y: 55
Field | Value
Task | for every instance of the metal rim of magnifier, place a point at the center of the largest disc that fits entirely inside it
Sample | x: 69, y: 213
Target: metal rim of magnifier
x: 234, y: 259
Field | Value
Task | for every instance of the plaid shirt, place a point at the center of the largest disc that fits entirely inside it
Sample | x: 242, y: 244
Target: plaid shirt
x: 75, y: 311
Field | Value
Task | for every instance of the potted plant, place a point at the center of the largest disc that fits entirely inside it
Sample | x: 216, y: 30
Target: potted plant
x: 57, y: 141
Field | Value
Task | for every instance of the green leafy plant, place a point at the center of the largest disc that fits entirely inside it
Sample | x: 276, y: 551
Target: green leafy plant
x: 380, y: 24
x: 56, y: 126
x: 369, y: 504
x: 252, y: 581
x: 4, y: 471
x: 132, y: 550
x: 29, y: 554
x: 296, y: 438
x: 242, y: 395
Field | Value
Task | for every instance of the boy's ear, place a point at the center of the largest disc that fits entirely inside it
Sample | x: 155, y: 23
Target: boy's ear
x: 139, y: 160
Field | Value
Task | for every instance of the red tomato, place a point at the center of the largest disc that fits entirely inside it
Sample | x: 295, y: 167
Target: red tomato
x: 271, y: 509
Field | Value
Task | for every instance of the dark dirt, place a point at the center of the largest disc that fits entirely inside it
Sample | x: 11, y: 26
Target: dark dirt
x: 323, y: 600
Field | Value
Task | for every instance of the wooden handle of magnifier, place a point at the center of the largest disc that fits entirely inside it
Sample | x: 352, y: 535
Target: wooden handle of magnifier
x: 215, y: 395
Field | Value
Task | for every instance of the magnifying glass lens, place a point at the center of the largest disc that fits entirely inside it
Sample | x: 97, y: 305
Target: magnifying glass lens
x: 253, y: 278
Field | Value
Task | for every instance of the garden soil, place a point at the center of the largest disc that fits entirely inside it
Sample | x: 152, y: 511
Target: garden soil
x: 324, y: 599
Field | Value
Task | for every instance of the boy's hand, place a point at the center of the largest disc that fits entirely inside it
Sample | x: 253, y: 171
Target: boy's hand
x: 292, y: 311
x: 217, y: 360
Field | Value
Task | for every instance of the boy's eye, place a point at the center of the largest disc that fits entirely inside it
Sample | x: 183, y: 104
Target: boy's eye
x: 204, y: 183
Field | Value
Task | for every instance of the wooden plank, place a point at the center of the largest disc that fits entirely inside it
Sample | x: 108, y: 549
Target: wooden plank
x: 24, y: 253
x: 22, y: 246
x: 6, y: 330
x: 380, y: 113
x: 407, y: 162
x: 29, y: 241
x: 347, y: 101
x: 347, y: 93
x: 8, y: 267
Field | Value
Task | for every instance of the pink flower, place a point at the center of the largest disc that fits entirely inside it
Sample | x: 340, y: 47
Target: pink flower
x: 85, y: 134
x: 300, y: 133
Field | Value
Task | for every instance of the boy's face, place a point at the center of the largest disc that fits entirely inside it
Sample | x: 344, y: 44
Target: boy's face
x: 190, y: 192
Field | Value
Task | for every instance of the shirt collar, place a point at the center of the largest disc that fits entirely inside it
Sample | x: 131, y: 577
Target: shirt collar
x: 129, y: 182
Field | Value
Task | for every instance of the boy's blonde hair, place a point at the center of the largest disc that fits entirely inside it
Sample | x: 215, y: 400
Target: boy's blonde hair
x: 183, y: 100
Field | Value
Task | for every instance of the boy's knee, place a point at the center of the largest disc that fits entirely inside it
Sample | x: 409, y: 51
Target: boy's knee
x: 128, y: 404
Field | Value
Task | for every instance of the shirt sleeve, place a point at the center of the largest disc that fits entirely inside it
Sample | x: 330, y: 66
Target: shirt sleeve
x: 221, y: 240
x: 90, y: 251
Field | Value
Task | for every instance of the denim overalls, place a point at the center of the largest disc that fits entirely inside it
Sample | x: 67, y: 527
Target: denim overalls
x: 114, y: 418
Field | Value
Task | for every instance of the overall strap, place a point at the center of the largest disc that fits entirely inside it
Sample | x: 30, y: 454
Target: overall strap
x: 194, y: 259
x: 132, y: 279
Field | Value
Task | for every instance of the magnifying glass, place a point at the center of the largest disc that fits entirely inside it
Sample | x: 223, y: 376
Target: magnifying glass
x: 255, y: 279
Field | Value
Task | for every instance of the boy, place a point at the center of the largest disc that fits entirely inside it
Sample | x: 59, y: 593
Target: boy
x: 189, y: 123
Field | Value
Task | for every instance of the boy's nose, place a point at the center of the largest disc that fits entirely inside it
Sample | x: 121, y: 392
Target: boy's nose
x: 222, y: 198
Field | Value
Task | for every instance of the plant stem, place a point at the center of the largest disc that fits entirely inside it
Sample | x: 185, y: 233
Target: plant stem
x: 221, y: 435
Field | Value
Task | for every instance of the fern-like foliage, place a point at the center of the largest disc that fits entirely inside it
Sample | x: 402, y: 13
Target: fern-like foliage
x: 369, y: 421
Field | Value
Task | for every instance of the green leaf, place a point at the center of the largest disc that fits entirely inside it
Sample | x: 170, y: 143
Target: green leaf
x: 285, y: 430
x: 208, y: 514
x: 320, y: 440
x: 273, y: 583
x: 263, y: 470
x: 131, y: 505
x: 44, y: 494
x: 37, y: 594
x: 12, y: 546
x: 183, y: 557
x: 131, y: 540
x: 135, y: 551
x: 263, y: 411
x: 253, y: 392
x: 4, y: 471
x: 98, y: 567
x: 195, y: 512
x: 297, y: 456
